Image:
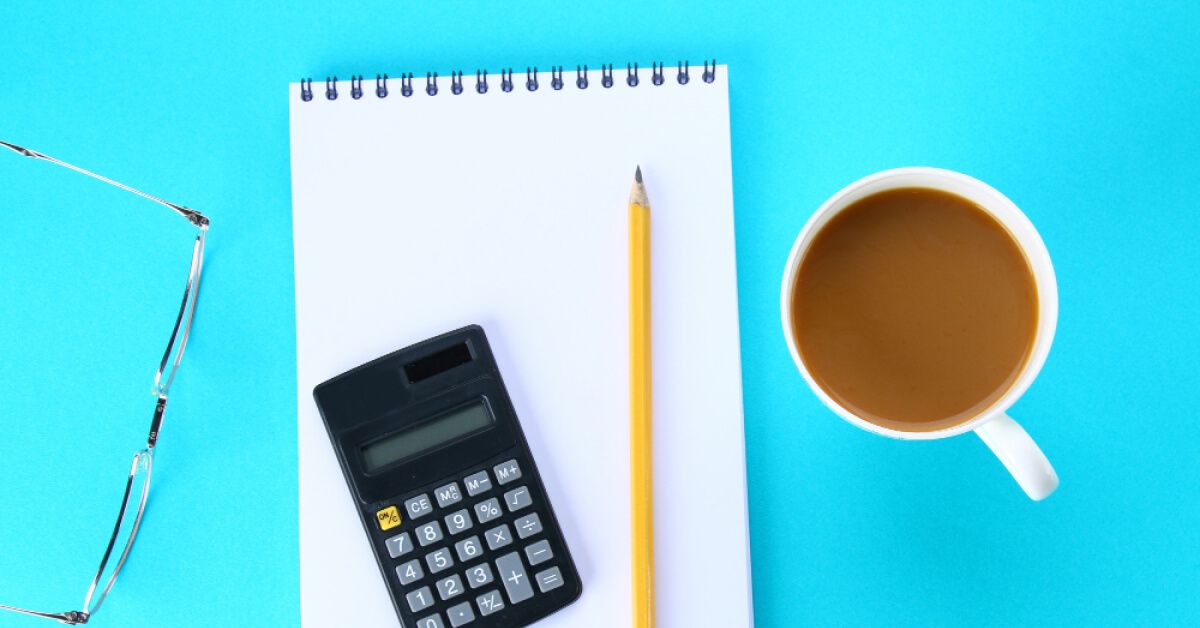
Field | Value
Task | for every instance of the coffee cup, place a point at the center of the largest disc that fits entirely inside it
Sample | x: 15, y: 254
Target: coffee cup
x: 1004, y: 436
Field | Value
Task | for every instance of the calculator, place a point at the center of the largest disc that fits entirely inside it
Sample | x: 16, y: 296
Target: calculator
x: 452, y: 503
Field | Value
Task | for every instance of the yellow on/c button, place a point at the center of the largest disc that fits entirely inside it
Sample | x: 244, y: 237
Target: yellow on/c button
x: 388, y: 518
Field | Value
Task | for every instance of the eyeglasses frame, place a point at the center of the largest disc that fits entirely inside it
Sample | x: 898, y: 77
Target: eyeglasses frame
x: 143, y: 459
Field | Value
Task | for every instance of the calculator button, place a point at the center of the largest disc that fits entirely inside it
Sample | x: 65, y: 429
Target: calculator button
x: 399, y: 545
x: 429, y: 533
x: 507, y: 472
x: 458, y: 521
x: 447, y: 495
x: 439, y: 560
x: 449, y: 587
x: 433, y: 621
x: 539, y: 552
x: 528, y: 526
x: 468, y: 549
x: 388, y: 518
x: 420, y: 599
x: 485, y: 511
x: 512, y: 574
x: 410, y: 572
x: 418, y: 506
x: 549, y: 579
x: 490, y: 602
x: 460, y: 614
x: 518, y: 498
x: 498, y: 536
x: 478, y: 483
x: 479, y: 575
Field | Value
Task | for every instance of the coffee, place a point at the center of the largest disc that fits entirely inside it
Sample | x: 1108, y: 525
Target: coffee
x: 914, y: 309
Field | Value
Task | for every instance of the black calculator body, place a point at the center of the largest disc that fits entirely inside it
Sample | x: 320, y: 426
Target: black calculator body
x: 446, y: 487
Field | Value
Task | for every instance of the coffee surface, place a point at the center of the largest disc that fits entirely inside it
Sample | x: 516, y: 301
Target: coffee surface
x: 915, y: 309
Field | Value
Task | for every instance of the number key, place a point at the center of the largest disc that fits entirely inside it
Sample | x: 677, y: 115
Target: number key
x: 449, y: 587
x: 458, y: 521
x: 433, y: 621
x: 439, y: 560
x: 485, y: 511
x: 429, y: 533
x: 410, y: 572
x: 399, y: 545
x: 479, y: 575
x: 420, y: 599
x: 468, y: 549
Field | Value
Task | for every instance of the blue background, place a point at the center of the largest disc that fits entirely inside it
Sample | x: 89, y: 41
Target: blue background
x: 1084, y: 113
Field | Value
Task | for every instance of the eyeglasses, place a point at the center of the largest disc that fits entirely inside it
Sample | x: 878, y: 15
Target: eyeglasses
x: 128, y: 522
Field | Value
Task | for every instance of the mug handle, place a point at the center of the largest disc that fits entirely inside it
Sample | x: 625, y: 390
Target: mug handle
x: 1020, y: 455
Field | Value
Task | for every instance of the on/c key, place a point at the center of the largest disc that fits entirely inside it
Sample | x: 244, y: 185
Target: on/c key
x: 388, y: 518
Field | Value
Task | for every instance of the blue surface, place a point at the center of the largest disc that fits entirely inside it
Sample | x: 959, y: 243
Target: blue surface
x: 1085, y: 114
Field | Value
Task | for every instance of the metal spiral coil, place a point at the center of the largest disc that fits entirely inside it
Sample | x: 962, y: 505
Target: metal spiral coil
x: 607, y: 80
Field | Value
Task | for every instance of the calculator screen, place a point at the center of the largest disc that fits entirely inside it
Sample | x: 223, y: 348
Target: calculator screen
x: 439, y: 430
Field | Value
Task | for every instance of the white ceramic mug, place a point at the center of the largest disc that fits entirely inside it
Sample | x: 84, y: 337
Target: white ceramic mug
x: 1007, y: 439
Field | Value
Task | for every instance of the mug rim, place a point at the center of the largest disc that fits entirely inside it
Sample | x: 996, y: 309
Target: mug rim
x: 999, y: 207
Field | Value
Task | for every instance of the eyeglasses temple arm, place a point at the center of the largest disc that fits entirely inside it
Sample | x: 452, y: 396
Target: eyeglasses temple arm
x: 69, y: 617
x: 193, y: 216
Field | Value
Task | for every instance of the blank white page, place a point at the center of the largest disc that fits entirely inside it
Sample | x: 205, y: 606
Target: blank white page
x: 415, y: 216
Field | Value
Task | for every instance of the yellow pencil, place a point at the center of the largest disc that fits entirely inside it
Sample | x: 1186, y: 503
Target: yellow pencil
x: 640, y: 432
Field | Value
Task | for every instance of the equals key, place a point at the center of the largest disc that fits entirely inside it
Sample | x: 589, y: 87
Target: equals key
x: 549, y: 579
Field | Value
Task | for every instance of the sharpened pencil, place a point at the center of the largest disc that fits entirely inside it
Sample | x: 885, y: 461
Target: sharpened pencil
x: 640, y: 441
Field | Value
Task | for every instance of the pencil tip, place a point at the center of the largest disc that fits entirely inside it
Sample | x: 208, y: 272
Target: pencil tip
x: 637, y: 174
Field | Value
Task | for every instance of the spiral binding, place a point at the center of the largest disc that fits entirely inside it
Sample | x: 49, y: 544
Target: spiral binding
x: 507, y: 84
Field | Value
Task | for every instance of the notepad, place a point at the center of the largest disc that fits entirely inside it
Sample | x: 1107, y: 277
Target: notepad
x: 504, y: 205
